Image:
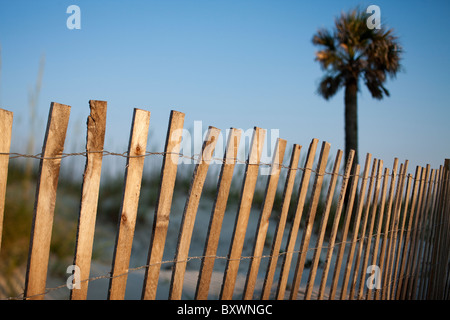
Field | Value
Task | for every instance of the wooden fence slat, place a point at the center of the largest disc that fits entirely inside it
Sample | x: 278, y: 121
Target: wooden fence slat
x: 96, y: 126
x: 263, y: 224
x: 362, y: 232
x: 163, y: 205
x: 189, y: 214
x: 427, y: 237
x: 393, y: 231
x: 6, y: 122
x: 386, y: 228
x: 306, y: 236
x: 434, y: 234
x: 430, y: 241
x: 292, y: 238
x: 278, y: 237
x: 422, y: 225
x: 375, y: 254
x: 433, y: 265
x: 243, y: 214
x: 416, y: 235
x: 445, y: 285
x: 373, y: 211
x: 408, y: 265
x: 44, y: 206
x: 445, y: 238
x: 127, y: 215
x: 356, y: 223
x: 345, y: 227
x: 418, y: 229
x: 335, y: 227
x: 441, y: 245
x: 220, y: 204
x: 323, y: 226
x: 402, y: 229
x: 403, y: 239
x: 389, y: 234
x: 445, y: 276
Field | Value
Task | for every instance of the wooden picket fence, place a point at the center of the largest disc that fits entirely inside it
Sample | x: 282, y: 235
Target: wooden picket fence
x: 397, y: 248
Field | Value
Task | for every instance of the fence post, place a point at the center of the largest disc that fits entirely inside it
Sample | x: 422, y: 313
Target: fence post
x: 163, y: 205
x: 6, y: 122
x: 96, y: 126
x: 128, y: 211
x: 190, y: 212
x: 278, y: 237
x: 218, y: 211
x: 263, y: 225
x: 243, y: 214
x: 41, y: 230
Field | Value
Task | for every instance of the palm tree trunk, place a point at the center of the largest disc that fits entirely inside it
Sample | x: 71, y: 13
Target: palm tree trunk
x: 351, y: 130
x: 351, y: 118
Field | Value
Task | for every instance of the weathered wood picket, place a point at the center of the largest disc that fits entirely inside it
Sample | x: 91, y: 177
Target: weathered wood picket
x: 384, y: 233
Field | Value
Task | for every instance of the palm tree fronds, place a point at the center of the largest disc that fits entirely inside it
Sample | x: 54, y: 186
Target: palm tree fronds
x: 352, y: 49
x: 329, y: 86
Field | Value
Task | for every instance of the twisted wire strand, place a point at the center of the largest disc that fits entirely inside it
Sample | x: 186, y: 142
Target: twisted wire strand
x: 130, y: 270
x: 197, y: 159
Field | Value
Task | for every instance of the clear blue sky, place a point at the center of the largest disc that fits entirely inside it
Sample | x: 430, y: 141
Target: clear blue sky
x: 234, y: 63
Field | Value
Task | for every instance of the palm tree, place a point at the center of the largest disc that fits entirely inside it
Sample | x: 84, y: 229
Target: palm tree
x: 350, y: 52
